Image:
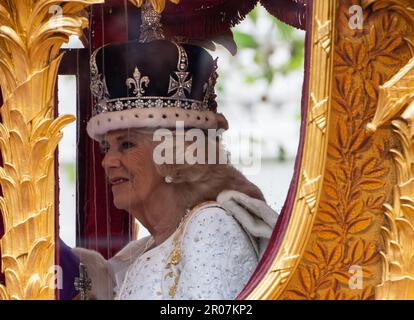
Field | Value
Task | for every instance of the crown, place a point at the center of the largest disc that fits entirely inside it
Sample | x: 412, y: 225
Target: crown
x: 178, y: 94
x: 153, y: 82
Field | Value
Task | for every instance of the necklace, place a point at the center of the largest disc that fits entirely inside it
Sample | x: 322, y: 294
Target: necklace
x: 151, y: 240
x: 176, y: 255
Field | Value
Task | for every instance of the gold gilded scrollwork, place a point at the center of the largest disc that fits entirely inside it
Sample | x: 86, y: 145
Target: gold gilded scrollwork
x: 358, y: 175
x: 31, y: 34
x: 397, y: 98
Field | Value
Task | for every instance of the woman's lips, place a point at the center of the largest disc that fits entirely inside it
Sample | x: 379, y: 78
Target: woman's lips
x: 118, y: 181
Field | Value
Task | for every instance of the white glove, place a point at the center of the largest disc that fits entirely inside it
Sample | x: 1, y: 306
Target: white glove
x: 256, y: 217
x: 107, y: 274
x: 99, y: 272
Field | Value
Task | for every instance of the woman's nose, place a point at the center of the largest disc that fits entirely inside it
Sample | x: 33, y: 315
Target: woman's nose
x: 110, y: 160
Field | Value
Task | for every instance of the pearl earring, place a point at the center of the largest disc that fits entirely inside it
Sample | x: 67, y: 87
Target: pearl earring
x: 168, y: 179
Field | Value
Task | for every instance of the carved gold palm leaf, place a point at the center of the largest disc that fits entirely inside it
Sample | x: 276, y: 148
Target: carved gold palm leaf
x: 30, y: 40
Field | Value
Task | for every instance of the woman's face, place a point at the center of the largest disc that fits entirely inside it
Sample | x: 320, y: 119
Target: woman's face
x: 129, y: 167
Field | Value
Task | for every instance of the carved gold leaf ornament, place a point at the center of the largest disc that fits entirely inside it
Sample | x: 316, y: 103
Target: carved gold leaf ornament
x: 394, y: 96
x: 357, y: 178
x: 397, y: 102
x: 319, y: 112
x: 30, y: 41
x: 309, y: 191
x: 158, y: 5
x: 324, y: 30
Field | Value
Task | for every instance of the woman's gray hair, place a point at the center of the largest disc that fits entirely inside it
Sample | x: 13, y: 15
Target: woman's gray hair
x: 199, y: 182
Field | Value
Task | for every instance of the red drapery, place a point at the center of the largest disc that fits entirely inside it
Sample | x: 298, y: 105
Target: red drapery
x: 194, y: 19
x: 101, y: 226
x: 291, y: 12
x: 206, y: 19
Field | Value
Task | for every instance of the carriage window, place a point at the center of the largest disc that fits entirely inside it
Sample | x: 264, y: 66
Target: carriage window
x: 261, y: 95
x: 67, y: 161
x: 259, y: 91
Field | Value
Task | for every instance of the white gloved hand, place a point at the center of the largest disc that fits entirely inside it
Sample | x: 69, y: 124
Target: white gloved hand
x: 256, y: 217
x: 106, y: 274
x: 98, y: 271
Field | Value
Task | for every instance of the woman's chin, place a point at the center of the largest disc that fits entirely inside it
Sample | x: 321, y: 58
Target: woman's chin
x: 121, y: 204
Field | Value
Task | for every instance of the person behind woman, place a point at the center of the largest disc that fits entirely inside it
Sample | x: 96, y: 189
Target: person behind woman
x: 208, y: 224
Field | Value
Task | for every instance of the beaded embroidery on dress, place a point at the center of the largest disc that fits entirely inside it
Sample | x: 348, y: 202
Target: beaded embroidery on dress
x: 217, y: 259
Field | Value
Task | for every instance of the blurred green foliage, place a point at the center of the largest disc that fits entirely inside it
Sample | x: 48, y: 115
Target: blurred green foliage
x: 70, y: 172
x: 279, y: 34
x: 281, y: 154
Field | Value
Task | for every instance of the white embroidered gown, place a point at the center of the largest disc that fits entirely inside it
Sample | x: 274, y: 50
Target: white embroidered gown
x: 217, y: 260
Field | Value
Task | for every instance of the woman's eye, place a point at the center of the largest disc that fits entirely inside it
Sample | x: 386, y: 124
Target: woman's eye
x: 127, y: 145
x: 104, y: 149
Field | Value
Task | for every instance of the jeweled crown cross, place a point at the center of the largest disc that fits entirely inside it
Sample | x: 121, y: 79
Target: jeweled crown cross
x: 82, y: 283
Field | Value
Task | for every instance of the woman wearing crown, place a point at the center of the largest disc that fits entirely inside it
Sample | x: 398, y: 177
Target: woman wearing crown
x: 208, y: 224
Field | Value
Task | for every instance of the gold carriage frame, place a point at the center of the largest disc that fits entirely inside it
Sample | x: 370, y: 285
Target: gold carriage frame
x: 354, y: 202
